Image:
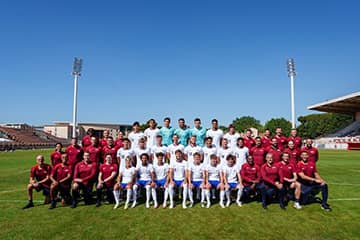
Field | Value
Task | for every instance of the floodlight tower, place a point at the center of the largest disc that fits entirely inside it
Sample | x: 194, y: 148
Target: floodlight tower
x: 292, y: 74
x: 76, y: 73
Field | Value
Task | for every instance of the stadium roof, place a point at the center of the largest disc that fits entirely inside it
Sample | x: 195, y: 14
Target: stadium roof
x: 348, y: 104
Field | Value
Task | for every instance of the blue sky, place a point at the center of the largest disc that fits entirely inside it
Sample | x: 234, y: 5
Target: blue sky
x: 151, y: 59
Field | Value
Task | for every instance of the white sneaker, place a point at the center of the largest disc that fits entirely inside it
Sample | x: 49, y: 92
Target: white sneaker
x: 133, y: 205
x: 147, y: 205
x: 184, y: 205
x: 228, y: 203
x: 222, y: 205
x: 126, y: 205
x: 202, y: 204
x: 116, y: 206
x: 156, y: 205
x: 297, y: 205
x: 191, y: 204
x: 164, y: 205
x: 239, y: 203
x: 171, y: 206
x: 208, y: 204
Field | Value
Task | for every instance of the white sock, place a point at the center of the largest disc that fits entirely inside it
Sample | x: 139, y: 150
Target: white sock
x: 207, y: 194
x: 116, y: 196
x: 147, y: 188
x: 239, y: 194
x: 203, y: 195
x: 227, y: 192
x: 135, y: 188
x: 222, y: 195
x: 153, y: 193
x: 185, y: 190
x: 166, y: 194
x: 128, y: 195
x: 171, y: 194
x: 190, y: 191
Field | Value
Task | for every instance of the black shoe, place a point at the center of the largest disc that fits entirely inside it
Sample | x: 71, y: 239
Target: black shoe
x: 29, y: 205
x: 264, y: 206
x: 282, y: 207
x: 73, y: 205
x: 53, y: 205
x: 98, y: 204
x: 326, y: 207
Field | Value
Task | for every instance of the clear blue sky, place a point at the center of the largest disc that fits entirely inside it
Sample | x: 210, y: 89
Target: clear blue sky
x: 151, y: 59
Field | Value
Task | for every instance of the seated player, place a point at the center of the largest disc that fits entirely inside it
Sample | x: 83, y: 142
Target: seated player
x: 232, y: 181
x: 39, y: 180
x: 161, y: 175
x: 212, y: 180
x: 126, y: 180
x: 61, y: 181
x: 311, y: 180
x: 271, y: 182
x: 288, y: 177
x: 84, y: 178
x: 177, y: 175
x: 106, y: 179
x: 146, y: 179
x: 250, y: 175
x: 195, y: 176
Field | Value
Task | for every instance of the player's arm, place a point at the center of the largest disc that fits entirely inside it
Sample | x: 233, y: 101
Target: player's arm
x: 53, y: 172
x: 170, y: 175
x: 65, y: 178
x: 47, y: 177
x: 306, y: 178
x: 243, y: 175
x: 318, y: 178
x: 239, y: 178
x: 111, y: 177
x: 100, y: 180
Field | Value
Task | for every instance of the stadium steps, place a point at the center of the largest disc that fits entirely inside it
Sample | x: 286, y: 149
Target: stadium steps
x: 351, y: 130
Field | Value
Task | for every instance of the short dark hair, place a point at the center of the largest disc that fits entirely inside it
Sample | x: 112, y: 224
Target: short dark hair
x: 181, y: 119
x: 136, y: 124
x: 167, y: 118
x: 214, y: 120
x: 197, y: 120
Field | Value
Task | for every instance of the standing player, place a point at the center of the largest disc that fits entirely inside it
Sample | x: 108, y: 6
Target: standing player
x: 95, y: 151
x: 84, y: 178
x: 125, y: 152
x: 215, y: 133
x: 208, y: 150
x: 232, y: 181
x: 119, y: 140
x: 250, y: 175
x: 311, y: 180
x: 241, y: 152
x: 61, y: 181
x: 213, y: 173
x: 248, y: 140
x: 232, y: 136
x: 258, y: 152
x: 271, y: 182
x: 224, y: 152
x: 158, y: 148
x: 183, y: 132
x: 135, y: 135
x: 295, y: 138
x: 167, y: 132
x: 288, y: 177
x: 111, y: 149
x: 172, y: 148
x: 55, y: 156
x: 266, y: 139
x: 106, y: 179
x: 191, y: 149
x: 86, y: 141
x: 312, y: 152
x: 293, y: 152
x: 141, y: 149
x: 161, y: 176
x: 280, y: 138
x: 39, y: 180
x: 74, y: 153
x: 150, y: 133
x: 126, y: 180
x: 195, y: 176
x: 274, y: 150
x: 103, y: 141
x: 199, y: 132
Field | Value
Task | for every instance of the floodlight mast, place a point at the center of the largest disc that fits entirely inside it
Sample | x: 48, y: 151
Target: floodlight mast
x: 76, y: 73
x: 292, y: 74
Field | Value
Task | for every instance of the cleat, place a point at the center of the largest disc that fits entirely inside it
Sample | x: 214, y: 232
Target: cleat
x: 147, y: 205
x: 164, y: 205
x: 222, y: 205
x: 326, y: 207
x: 116, y: 206
x: 156, y: 205
x: 264, y: 206
x: 52, y: 205
x: 191, y: 204
x: 239, y: 203
x: 126, y: 205
x: 184, y: 205
x: 29, y: 205
x: 208, y: 205
x: 73, y: 205
x: 98, y: 204
x: 171, y: 206
x: 202, y: 204
x: 282, y: 207
x: 297, y: 205
x: 133, y: 205
x: 228, y: 203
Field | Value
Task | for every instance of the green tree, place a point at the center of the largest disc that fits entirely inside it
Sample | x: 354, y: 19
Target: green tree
x: 243, y: 123
x: 274, y: 123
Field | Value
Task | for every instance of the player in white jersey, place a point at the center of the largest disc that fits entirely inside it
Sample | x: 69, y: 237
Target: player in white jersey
x: 215, y: 133
x: 195, y: 176
x: 150, y: 133
x: 146, y: 179
x: 177, y: 176
x: 232, y: 181
x: 125, y: 180
x: 232, y: 136
x: 173, y: 147
x: 223, y: 152
x: 124, y: 152
x: 158, y: 148
x: 191, y: 149
x: 213, y: 173
x: 208, y: 150
x: 161, y: 175
x: 140, y: 150
x: 241, y: 152
x: 135, y: 135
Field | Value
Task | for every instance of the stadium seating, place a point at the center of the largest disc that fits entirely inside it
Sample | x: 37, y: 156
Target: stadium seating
x: 351, y: 130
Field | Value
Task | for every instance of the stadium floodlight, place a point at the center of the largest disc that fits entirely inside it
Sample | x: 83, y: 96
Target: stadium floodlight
x: 76, y: 73
x: 292, y: 74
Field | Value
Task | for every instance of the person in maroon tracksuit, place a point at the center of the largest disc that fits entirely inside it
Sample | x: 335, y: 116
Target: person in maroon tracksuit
x: 250, y: 175
x: 55, y: 156
x: 258, y: 152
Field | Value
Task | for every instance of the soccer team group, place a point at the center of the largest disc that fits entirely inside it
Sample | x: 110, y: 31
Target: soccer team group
x: 181, y: 165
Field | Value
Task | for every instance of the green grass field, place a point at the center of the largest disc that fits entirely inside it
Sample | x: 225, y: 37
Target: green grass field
x: 341, y: 169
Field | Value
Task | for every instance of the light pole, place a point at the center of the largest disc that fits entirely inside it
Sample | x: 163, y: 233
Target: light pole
x: 76, y: 73
x: 292, y: 74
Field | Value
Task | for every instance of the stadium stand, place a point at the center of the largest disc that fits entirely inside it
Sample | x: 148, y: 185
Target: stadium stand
x: 349, y: 131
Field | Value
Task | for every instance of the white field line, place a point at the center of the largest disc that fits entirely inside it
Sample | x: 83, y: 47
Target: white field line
x: 14, y: 190
x: 345, y: 199
x: 345, y: 184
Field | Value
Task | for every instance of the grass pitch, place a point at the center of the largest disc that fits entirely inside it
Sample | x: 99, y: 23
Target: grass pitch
x: 341, y: 169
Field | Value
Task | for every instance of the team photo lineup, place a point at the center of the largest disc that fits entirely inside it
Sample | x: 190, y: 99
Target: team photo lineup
x: 169, y: 166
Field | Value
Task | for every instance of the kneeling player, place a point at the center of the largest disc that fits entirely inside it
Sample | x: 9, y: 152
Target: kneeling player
x: 232, y: 181
x: 212, y: 180
x: 288, y: 177
x: 311, y: 180
x: 250, y: 175
x: 61, y: 181
x: 177, y: 175
x: 39, y: 180
x: 146, y: 180
x: 106, y: 179
x: 161, y: 175
x: 126, y: 180
x: 195, y: 176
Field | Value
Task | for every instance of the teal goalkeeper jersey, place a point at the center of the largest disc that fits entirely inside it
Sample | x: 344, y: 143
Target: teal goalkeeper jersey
x: 167, y: 134
x: 184, y: 135
x: 200, y: 135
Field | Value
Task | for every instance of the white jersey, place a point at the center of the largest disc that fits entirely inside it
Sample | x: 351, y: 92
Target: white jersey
x: 223, y: 153
x: 158, y: 149
x: 179, y: 169
x: 150, y: 135
x: 144, y: 172
x: 190, y: 150
x: 208, y: 152
x: 138, y: 152
x: 161, y: 172
x: 124, y: 153
x: 134, y: 138
x: 241, y: 155
x: 172, y: 149
x: 231, y: 173
x: 214, y: 173
x: 127, y: 174
x: 232, y: 139
x: 196, y: 171
x: 216, y: 136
